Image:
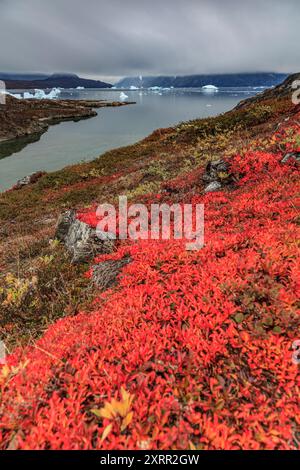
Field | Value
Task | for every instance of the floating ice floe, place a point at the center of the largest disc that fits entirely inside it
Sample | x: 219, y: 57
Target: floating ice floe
x: 41, y: 95
x: 134, y: 87
x: 210, y: 89
x: 80, y: 88
x: 123, y: 97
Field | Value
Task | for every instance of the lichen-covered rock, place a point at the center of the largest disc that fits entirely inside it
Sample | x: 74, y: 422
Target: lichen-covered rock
x: 80, y: 239
x: 65, y: 220
x: 217, y: 174
x: 215, y: 170
x: 105, y: 275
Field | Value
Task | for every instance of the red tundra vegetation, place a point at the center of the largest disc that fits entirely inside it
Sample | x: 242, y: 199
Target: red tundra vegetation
x: 193, y: 349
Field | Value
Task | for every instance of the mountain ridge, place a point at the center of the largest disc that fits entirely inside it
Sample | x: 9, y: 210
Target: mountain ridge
x: 194, y: 81
x: 55, y: 80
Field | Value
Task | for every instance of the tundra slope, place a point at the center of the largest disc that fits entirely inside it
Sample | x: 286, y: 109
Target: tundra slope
x: 190, y: 350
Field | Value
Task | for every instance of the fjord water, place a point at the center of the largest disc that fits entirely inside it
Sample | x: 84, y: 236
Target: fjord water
x: 73, y: 142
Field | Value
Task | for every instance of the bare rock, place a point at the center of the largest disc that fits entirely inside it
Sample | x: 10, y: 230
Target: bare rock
x: 291, y: 156
x: 215, y: 171
x: 30, y: 179
x: 80, y: 239
x: 212, y: 187
x: 65, y: 220
x: 105, y: 275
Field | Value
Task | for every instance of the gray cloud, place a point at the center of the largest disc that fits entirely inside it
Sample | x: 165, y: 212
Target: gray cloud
x: 132, y: 37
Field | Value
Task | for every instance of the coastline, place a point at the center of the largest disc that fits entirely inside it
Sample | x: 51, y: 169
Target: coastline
x: 24, y: 118
x: 149, y: 166
x: 240, y: 294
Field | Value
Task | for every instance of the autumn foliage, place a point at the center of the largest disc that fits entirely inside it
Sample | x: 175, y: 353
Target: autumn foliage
x: 193, y: 350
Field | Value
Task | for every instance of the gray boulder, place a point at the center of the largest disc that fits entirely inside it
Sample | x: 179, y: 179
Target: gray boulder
x: 214, y: 170
x: 105, y: 274
x: 81, y: 240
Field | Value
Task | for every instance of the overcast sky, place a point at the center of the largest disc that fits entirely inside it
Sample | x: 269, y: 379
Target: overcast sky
x: 114, y: 38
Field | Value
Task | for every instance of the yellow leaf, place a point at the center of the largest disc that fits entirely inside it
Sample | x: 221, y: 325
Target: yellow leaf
x: 96, y: 413
x: 122, y: 408
x: 106, y: 432
x: 126, y: 421
x: 5, y: 372
x: 192, y: 447
x: 125, y: 395
x: 108, y: 411
x: 116, y: 408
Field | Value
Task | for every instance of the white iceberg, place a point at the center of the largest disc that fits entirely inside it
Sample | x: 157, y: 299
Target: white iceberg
x: 210, y: 89
x: 123, y: 97
x: 16, y: 95
x: 134, y: 87
x: 41, y: 95
x: 37, y: 94
x: 80, y: 88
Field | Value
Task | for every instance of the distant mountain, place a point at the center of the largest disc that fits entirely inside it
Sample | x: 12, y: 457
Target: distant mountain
x: 23, y: 76
x: 53, y: 81
x: 195, y: 81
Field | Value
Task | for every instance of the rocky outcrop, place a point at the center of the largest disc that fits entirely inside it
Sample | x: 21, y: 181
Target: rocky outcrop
x: 283, y: 90
x: 214, y: 171
x: 30, y: 179
x: 217, y: 176
x: 105, y: 275
x: 80, y: 239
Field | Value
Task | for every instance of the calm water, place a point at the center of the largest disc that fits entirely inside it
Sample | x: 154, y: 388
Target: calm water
x: 71, y: 142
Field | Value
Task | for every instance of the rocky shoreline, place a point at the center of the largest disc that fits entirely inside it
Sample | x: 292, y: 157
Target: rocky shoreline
x: 22, y: 119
